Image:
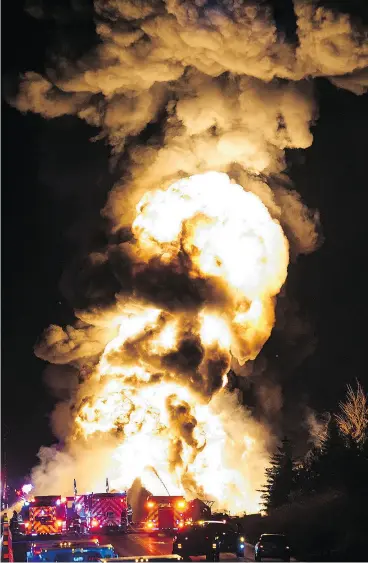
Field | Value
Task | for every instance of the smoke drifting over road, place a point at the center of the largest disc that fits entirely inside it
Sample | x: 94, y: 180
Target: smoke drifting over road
x: 188, y: 281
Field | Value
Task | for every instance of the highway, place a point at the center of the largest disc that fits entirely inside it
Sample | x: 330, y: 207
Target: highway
x: 143, y: 544
x: 140, y: 544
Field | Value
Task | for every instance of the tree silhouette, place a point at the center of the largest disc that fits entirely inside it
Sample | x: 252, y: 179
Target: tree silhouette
x: 353, y: 416
x: 330, y: 465
x: 324, y: 495
x: 280, y: 477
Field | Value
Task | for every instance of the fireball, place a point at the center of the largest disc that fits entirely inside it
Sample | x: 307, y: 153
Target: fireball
x: 207, y: 261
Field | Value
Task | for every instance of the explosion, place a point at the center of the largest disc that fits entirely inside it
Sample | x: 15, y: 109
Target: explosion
x: 196, y: 250
x: 160, y: 380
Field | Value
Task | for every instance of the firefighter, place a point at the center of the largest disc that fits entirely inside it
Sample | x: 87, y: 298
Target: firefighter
x: 130, y: 514
x: 76, y: 525
x: 14, y: 523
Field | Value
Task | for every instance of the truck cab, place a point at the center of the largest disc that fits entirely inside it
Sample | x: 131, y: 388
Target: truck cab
x: 165, y: 513
x: 44, y: 515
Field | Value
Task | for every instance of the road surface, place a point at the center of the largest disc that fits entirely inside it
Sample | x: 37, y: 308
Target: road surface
x: 140, y: 544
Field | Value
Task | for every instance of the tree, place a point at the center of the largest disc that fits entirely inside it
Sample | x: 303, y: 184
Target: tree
x: 279, y: 477
x: 352, y: 419
x: 330, y: 465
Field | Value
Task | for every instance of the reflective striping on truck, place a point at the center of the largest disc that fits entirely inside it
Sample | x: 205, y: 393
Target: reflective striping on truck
x: 108, y: 510
x: 43, y: 520
x: 165, y: 513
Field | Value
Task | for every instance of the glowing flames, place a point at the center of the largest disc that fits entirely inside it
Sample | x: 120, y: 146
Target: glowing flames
x: 214, y: 259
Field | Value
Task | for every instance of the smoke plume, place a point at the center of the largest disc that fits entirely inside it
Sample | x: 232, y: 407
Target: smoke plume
x: 187, y: 95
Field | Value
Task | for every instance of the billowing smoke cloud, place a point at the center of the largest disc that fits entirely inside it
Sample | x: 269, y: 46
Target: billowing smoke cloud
x: 317, y: 426
x: 227, y: 93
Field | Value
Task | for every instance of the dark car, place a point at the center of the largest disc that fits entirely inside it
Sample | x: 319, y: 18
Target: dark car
x: 272, y: 545
x: 208, y: 538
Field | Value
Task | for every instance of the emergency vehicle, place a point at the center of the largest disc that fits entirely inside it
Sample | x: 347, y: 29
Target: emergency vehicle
x: 169, y: 513
x: 103, y: 511
x: 70, y: 553
x: 44, y: 515
x: 35, y: 548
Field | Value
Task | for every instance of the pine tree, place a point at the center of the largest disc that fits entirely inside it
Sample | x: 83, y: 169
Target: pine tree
x: 279, y: 477
x: 329, y: 466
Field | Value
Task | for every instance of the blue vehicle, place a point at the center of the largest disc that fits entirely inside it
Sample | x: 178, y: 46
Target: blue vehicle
x: 66, y: 554
x: 36, y: 547
x: 143, y: 558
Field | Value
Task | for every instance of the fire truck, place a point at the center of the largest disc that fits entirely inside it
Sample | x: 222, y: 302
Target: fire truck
x: 44, y: 515
x: 103, y: 511
x: 169, y: 513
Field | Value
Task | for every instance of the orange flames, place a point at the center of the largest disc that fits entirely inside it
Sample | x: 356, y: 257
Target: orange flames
x: 214, y: 260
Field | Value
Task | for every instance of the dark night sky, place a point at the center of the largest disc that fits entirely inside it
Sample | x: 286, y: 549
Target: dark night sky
x: 52, y: 175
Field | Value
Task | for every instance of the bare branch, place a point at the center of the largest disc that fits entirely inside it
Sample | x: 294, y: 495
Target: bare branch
x: 353, y: 417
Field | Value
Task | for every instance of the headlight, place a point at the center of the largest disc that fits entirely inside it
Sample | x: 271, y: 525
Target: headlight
x: 214, y: 546
x: 242, y: 538
x: 179, y: 546
x: 287, y: 547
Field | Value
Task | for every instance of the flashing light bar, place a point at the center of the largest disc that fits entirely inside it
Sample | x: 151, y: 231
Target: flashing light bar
x: 27, y: 487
